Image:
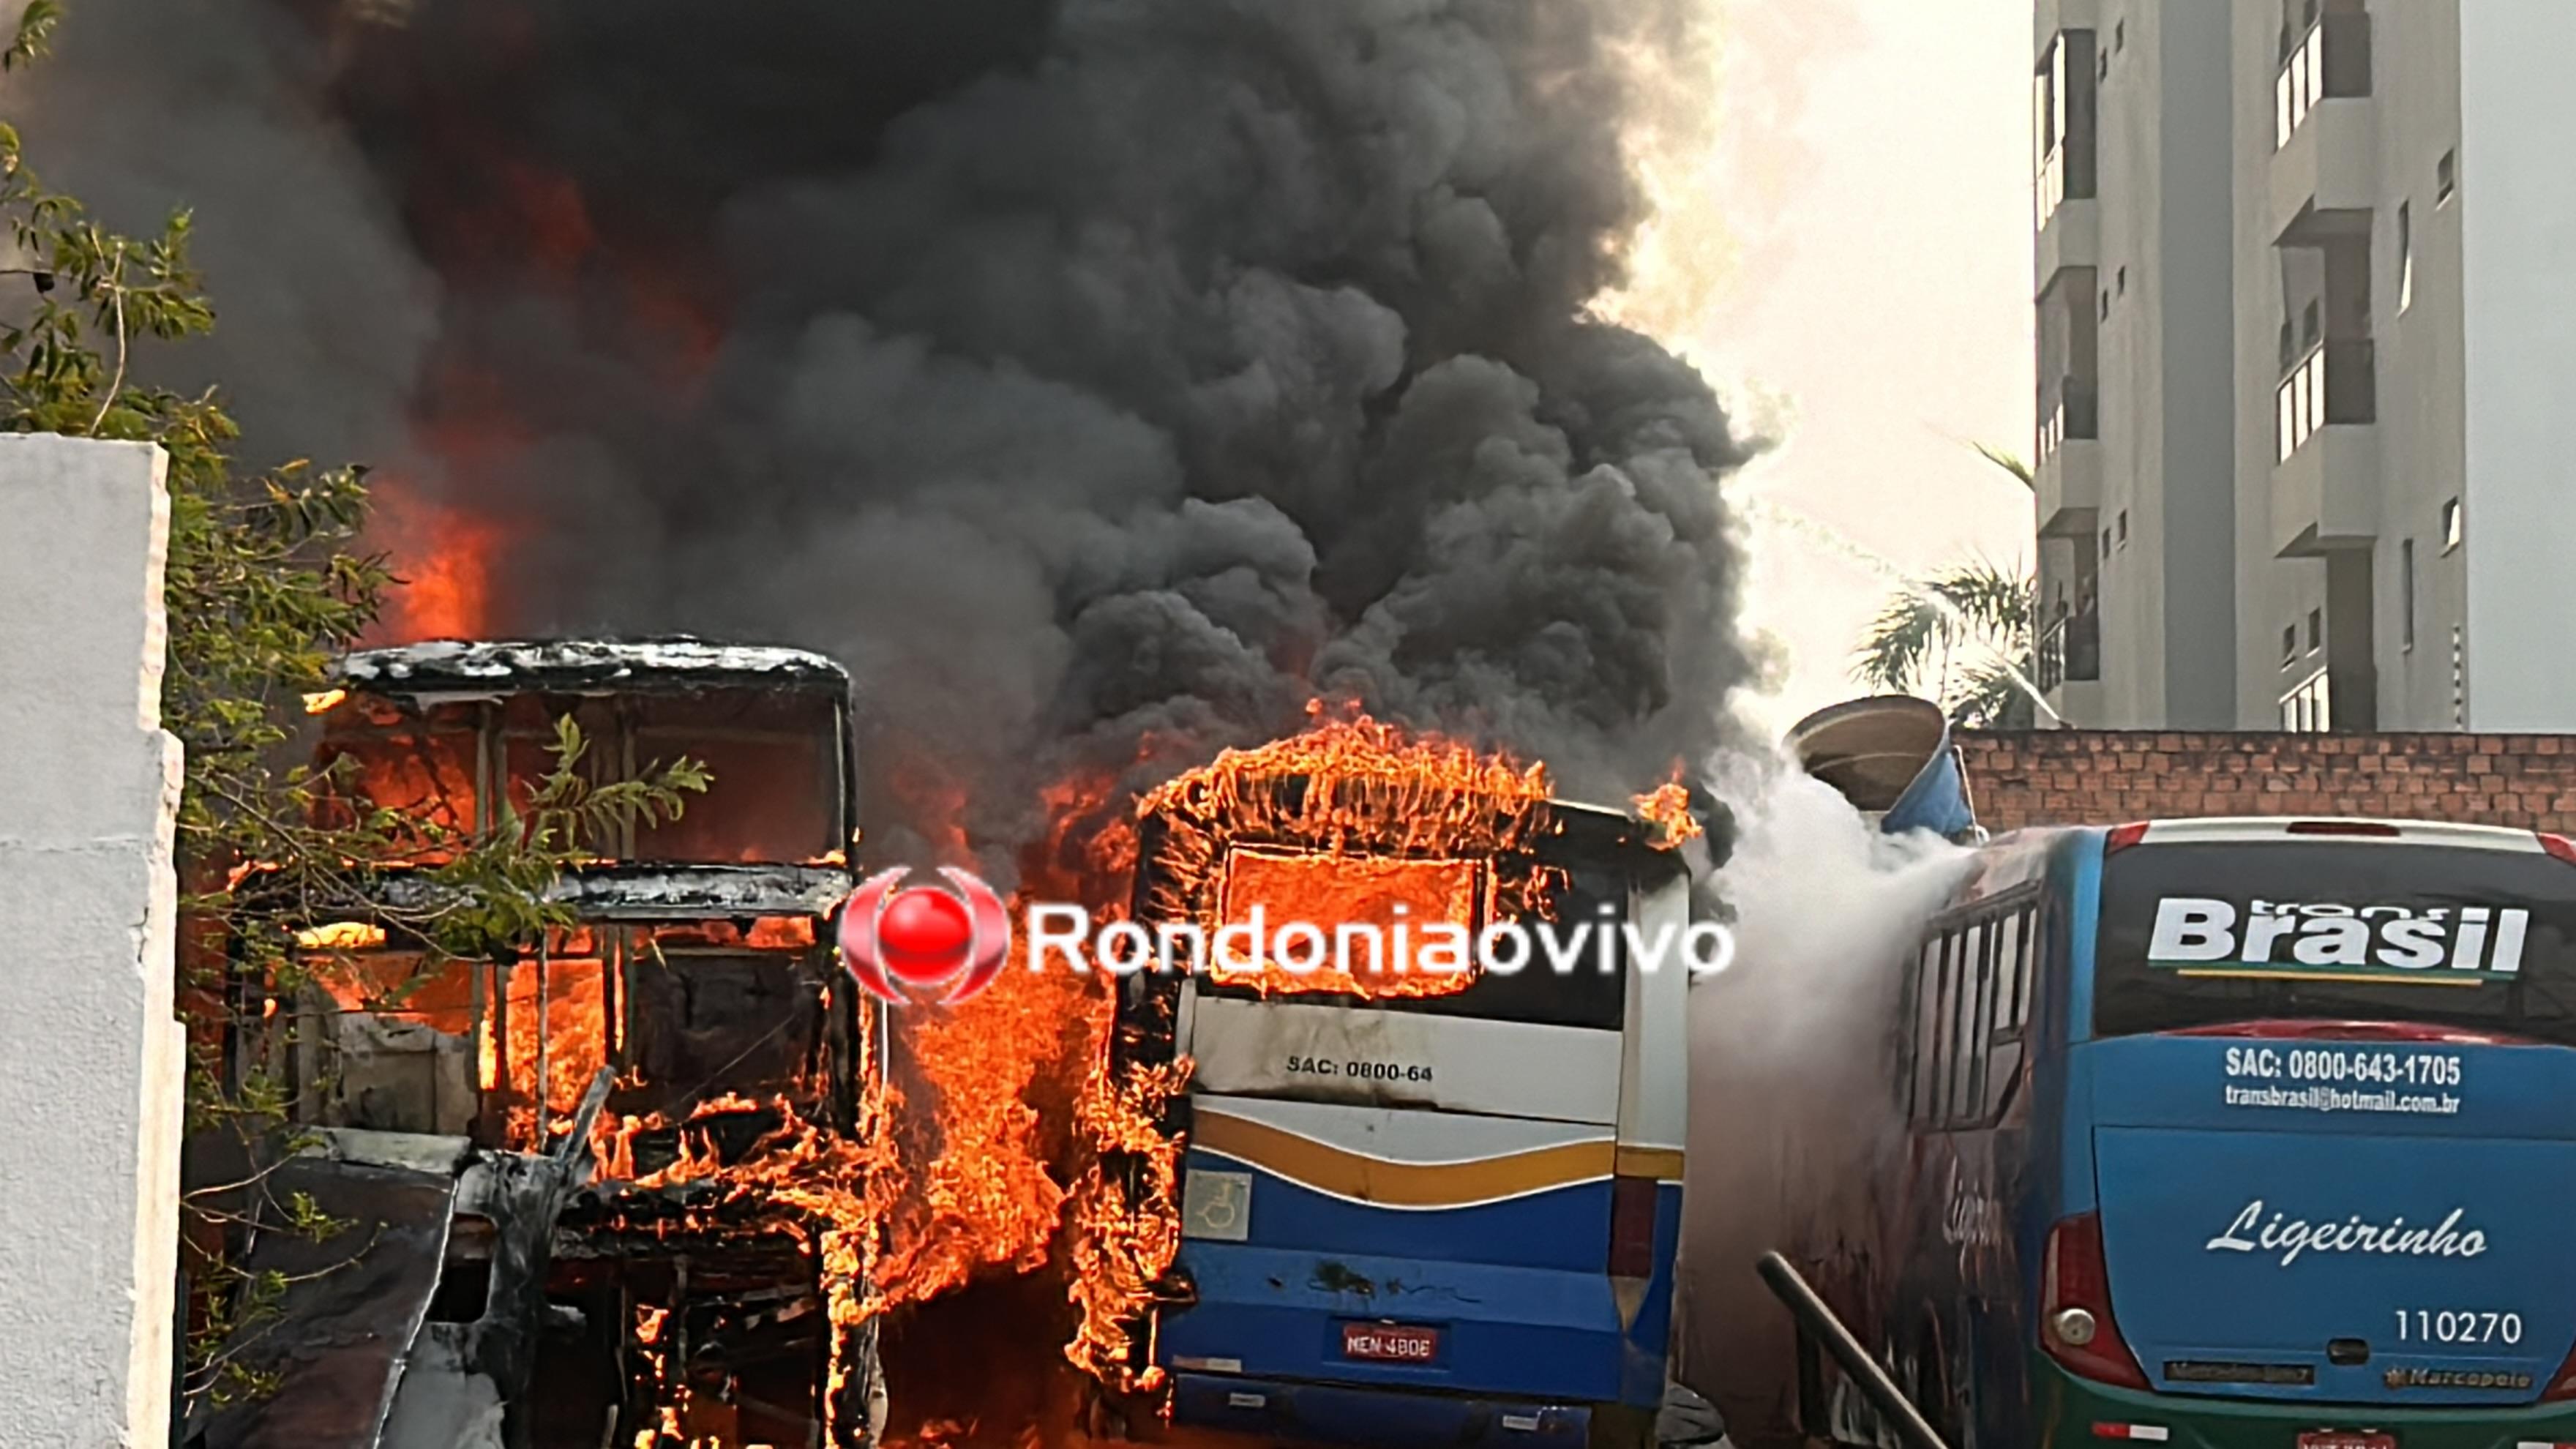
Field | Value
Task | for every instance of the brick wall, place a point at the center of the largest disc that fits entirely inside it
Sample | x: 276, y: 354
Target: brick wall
x: 2102, y: 777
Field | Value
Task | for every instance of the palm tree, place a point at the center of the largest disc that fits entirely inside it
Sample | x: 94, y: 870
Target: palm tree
x: 1959, y: 635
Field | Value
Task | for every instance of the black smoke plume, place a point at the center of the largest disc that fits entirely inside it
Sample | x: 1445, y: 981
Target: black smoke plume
x: 1087, y: 375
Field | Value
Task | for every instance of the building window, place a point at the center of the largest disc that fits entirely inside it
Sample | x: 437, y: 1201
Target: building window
x: 2405, y: 257
x: 2106, y: 543
x: 2311, y: 324
x: 2120, y: 35
x: 2106, y: 305
x: 2289, y: 645
x: 2450, y: 525
x: 2406, y: 594
x: 2316, y: 630
x: 2303, y: 710
x: 2124, y: 527
x: 2300, y: 402
x: 2102, y: 67
x: 2446, y: 177
x: 2123, y: 281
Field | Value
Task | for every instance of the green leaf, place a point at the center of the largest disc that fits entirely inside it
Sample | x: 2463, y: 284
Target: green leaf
x: 33, y: 40
x: 2008, y: 462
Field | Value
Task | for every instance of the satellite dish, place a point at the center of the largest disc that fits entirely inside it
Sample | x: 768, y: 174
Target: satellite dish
x: 1890, y: 755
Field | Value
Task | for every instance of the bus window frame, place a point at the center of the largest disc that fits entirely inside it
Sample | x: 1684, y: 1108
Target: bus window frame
x: 1970, y: 993
x: 1923, y: 996
x: 1979, y: 997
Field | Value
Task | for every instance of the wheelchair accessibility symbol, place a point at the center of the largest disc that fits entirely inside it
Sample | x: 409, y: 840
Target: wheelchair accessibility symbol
x: 1217, y: 1206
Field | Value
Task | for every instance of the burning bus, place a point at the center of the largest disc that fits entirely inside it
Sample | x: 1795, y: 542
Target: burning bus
x: 1410, y: 1201
x: 674, y: 1071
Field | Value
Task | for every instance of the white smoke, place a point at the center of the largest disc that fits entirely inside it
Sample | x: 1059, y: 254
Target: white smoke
x: 1792, y: 1110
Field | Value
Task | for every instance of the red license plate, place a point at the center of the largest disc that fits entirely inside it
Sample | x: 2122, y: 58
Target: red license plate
x: 1395, y: 1343
x: 2341, y: 1439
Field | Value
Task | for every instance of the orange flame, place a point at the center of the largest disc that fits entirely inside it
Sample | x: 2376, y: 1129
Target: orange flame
x: 444, y: 558
x: 985, y: 1198
x: 1668, y: 808
x: 1126, y: 1218
x: 1342, y: 822
x: 1351, y: 816
x: 1396, y: 897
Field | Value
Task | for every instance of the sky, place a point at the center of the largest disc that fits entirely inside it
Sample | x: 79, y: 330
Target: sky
x: 1856, y: 278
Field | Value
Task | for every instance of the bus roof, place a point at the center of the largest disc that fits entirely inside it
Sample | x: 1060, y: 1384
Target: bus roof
x: 678, y: 663
x: 1611, y: 836
x: 2218, y: 828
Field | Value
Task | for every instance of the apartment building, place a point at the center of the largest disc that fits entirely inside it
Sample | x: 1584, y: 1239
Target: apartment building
x: 2135, y: 457
x: 2373, y: 201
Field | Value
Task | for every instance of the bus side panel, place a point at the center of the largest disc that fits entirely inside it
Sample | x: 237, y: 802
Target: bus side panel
x: 1654, y: 1103
x: 2044, y: 1188
x: 1965, y: 1215
x: 1646, y: 1347
x: 1984, y: 1231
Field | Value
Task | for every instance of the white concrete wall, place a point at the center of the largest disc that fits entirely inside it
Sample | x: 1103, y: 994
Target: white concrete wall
x: 2518, y: 232
x: 91, y: 1063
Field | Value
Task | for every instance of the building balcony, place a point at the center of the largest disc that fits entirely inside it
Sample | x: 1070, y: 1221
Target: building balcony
x: 2307, y: 709
x: 2324, y: 177
x: 2325, y: 480
x: 2069, y: 668
x: 2070, y: 220
x: 2071, y: 649
x: 2067, y: 471
x: 2332, y: 701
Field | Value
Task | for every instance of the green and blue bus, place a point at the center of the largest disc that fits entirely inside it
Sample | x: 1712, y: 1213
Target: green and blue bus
x: 2230, y: 1133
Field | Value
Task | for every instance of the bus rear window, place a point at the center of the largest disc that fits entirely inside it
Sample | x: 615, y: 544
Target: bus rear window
x: 2208, y: 935
x: 1328, y: 890
x: 1377, y: 910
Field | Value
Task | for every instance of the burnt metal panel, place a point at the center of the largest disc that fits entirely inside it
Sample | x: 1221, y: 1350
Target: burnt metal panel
x: 462, y: 1375
x: 353, y: 1305
x: 708, y: 1023
x: 614, y: 893
x: 495, y: 666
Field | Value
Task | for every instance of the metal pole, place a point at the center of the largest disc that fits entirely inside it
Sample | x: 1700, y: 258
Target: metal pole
x: 1818, y: 1322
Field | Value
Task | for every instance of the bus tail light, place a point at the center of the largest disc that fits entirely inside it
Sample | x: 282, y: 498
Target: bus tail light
x: 2075, y: 1323
x: 2558, y: 845
x: 1632, y: 1227
x: 2562, y: 1384
x: 2124, y: 836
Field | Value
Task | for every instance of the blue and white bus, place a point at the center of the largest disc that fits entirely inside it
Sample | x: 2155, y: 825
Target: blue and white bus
x: 1430, y: 1219
x: 2241, y: 1133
